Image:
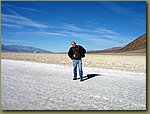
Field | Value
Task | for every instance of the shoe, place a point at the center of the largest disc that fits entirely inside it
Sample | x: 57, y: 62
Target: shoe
x: 81, y: 80
x: 74, y: 78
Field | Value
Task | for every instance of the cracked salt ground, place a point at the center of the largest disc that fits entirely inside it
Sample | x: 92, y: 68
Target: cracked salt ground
x: 39, y: 86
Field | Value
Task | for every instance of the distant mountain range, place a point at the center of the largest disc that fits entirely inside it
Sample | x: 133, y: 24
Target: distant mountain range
x: 109, y: 50
x: 136, y: 46
x: 20, y: 48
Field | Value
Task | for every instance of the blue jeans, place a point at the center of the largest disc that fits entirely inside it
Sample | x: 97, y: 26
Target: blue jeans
x: 79, y: 64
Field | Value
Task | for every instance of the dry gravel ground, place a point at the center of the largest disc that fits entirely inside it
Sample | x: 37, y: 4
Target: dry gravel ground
x: 134, y: 63
x: 41, y: 86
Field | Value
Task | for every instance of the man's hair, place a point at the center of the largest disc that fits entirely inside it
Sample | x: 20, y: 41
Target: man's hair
x: 73, y: 42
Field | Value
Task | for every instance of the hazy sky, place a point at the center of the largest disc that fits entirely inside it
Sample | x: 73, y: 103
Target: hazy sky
x: 53, y: 25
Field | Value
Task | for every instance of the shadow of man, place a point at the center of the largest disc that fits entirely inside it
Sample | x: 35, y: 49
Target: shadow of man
x: 89, y: 76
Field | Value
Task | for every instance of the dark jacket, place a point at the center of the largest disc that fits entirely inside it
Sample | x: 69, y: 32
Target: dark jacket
x: 77, y: 52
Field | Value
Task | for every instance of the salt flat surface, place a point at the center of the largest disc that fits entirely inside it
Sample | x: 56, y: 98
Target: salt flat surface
x: 40, y: 86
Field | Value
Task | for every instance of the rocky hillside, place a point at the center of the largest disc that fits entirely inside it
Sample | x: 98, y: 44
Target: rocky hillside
x: 135, y: 45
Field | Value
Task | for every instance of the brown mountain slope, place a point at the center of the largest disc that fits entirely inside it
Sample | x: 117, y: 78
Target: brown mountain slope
x: 110, y: 50
x: 137, y: 44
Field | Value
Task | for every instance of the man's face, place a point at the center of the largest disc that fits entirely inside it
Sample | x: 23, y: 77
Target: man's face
x: 73, y: 44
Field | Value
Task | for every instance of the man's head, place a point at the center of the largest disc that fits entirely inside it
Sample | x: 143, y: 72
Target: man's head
x: 73, y: 44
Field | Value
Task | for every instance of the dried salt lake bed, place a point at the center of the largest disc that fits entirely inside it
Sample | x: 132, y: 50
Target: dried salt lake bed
x: 124, y: 62
x: 41, y: 86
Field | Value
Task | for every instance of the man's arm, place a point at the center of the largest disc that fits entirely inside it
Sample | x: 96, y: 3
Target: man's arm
x: 83, y: 50
x: 70, y: 53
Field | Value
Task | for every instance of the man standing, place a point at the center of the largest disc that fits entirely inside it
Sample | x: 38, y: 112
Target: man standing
x: 76, y: 52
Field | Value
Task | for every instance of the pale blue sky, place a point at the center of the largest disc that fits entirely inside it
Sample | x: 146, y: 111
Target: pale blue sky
x: 53, y: 25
